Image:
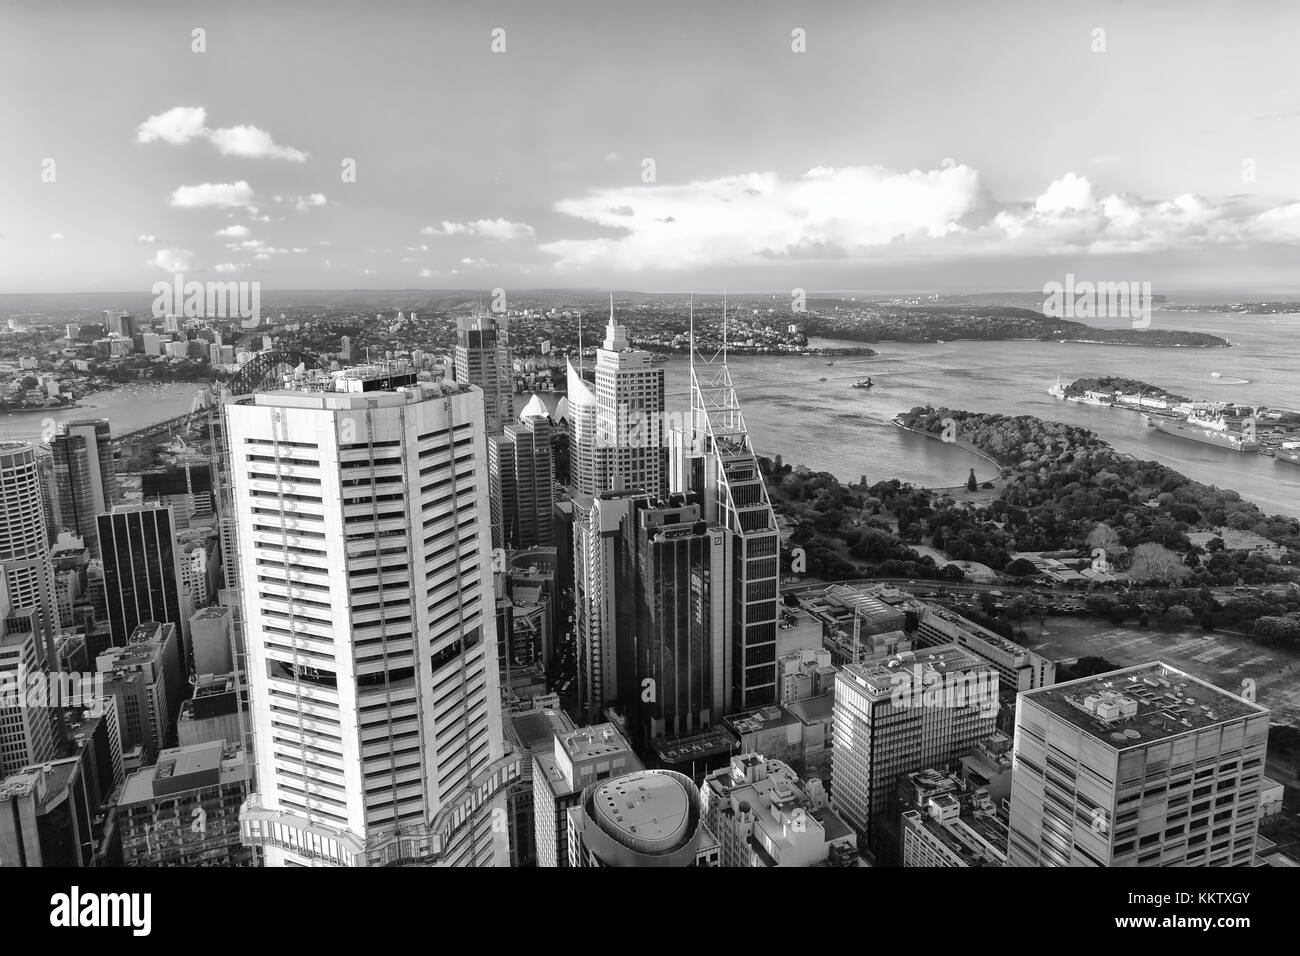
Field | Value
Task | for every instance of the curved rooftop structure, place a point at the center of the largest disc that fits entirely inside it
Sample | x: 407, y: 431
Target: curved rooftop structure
x: 646, y: 818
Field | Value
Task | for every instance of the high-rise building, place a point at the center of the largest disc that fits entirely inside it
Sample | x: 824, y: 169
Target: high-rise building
x: 579, y: 758
x: 522, y: 480
x: 672, y: 586
x: 26, y: 725
x: 184, y: 810
x: 363, y: 549
x: 596, y: 553
x: 616, y: 419
x: 142, y: 572
x: 83, y: 477
x: 645, y: 818
x: 46, y: 816
x: 24, y: 545
x: 715, y: 459
x: 146, y: 678
x: 899, y: 714
x: 1144, y: 766
x: 482, y: 358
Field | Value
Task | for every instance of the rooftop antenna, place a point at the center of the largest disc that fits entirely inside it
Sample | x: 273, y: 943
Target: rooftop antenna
x: 579, y: 342
x: 692, y: 339
x: 724, y: 326
x: 611, y: 308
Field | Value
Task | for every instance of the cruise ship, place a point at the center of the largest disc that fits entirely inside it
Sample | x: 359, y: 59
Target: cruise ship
x: 1204, y: 428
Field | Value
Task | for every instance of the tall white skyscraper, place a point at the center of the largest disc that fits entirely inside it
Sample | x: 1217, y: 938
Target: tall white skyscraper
x: 24, y: 545
x: 617, y: 420
x: 365, y: 563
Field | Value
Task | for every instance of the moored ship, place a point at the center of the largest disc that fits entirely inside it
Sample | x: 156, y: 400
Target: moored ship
x: 1203, y: 428
x: 1288, y: 452
x: 1057, y: 390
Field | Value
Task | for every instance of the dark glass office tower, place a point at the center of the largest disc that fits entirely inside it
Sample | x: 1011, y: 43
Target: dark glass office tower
x: 142, y: 580
x: 83, y: 477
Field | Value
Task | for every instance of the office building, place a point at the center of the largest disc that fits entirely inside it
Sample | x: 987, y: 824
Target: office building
x: 899, y: 714
x: 715, y: 459
x: 649, y: 818
x: 946, y: 824
x: 26, y: 719
x: 212, y: 712
x: 764, y: 815
x: 145, y: 677
x: 24, y: 546
x: 1144, y: 766
x: 83, y: 477
x: 184, y: 810
x: 672, y: 591
x: 363, y: 549
x: 47, y: 816
x: 212, y: 639
x: 482, y: 359
x: 142, y: 573
x: 578, y: 759
x: 530, y: 733
x: 521, y: 470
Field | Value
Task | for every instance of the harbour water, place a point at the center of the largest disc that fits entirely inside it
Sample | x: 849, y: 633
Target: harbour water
x: 830, y: 426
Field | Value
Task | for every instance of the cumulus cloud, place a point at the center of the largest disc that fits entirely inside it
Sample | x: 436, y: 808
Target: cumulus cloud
x: 171, y: 260
x: 482, y: 228
x: 57, y: 236
x: 233, y: 232
x: 181, y: 124
x: 426, y: 273
x: 854, y: 213
x: 228, y: 267
x: 146, y: 239
x: 213, y: 194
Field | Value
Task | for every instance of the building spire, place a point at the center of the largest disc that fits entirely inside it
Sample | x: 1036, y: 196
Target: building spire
x: 724, y: 326
x: 579, y: 340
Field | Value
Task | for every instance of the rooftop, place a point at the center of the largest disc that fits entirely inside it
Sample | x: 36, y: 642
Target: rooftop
x: 878, y: 675
x: 648, y: 807
x: 1138, y: 705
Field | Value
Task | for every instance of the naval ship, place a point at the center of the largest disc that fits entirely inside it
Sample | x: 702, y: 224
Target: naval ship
x: 1213, y: 430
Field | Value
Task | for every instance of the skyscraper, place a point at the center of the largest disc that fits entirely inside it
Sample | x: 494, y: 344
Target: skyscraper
x: 83, y: 477
x: 363, y: 548
x: 672, y: 587
x: 24, y: 546
x: 142, y: 573
x: 903, y: 713
x: 715, y: 459
x: 482, y: 358
x: 596, y: 554
x: 522, y: 480
x: 1144, y: 766
x: 617, y: 419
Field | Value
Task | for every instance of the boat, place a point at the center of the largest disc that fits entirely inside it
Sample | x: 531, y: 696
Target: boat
x: 1212, y: 430
x: 1216, y: 375
x: 1289, y: 452
x: 864, y: 383
x: 1091, y: 398
x: 1057, y: 390
x: 822, y: 379
x: 940, y: 342
x: 830, y: 363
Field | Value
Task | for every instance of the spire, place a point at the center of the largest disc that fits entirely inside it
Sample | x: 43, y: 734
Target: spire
x: 724, y: 326
x: 579, y: 339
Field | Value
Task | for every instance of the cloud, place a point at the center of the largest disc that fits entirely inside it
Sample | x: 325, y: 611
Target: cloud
x: 233, y: 232
x: 251, y: 142
x: 213, y: 194
x: 182, y: 124
x: 146, y: 239
x: 177, y: 126
x: 228, y: 267
x: 859, y: 213
x: 57, y: 236
x: 426, y: 273
x: 303, y: 203
x: 500, y: 229
x: 171, y: 260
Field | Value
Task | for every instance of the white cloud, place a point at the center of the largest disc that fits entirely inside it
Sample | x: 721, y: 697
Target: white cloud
x: 172, y: 260
x: 182, y: 124
x: 482, y: 228
x: 228, y: 267
x: 57, y: 236
x: 303, y: 203
x: 858, y: 213
x: 426, y: 273
x: 233, y: 232
x: 178, y: 125
x: 213, y: 194
x: 254, y: 143
x: 299, y: 250
x: 146, y: 239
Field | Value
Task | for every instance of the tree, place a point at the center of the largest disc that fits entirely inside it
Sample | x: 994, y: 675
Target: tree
x: 1021, y: 568
x: 1103, y: 536
x: 971, y: 483
x: 1154, y: 562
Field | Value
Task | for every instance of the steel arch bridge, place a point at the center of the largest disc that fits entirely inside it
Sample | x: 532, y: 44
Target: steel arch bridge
x: 266, y: 370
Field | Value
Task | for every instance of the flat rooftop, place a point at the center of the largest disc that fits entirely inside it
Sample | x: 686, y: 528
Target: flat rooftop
x: 1156, y: 701
x: 877, y: 676
x: 650, y: 807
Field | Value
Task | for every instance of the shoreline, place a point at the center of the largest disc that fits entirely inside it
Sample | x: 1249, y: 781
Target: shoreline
x: 964, y: 446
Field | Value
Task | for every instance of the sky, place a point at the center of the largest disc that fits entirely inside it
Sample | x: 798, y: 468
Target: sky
x: 944, y: 146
